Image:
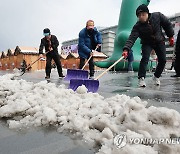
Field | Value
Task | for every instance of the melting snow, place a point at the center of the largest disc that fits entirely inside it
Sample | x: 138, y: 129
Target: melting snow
x: 96, y: 119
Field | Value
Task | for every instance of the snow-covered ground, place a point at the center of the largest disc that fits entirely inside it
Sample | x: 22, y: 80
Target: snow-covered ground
x: 89, y: 115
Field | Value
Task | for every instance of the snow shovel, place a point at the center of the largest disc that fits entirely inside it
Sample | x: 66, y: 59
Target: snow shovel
x: 79, y: 73
x: 25, y: 69
x: 28, y: 67
x: 91, y: 85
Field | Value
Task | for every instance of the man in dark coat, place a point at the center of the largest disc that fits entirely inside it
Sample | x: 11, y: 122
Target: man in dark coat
x: 89, y: 40
x: 149, y: 30
x: 51, y: 44
x: 177, y: 57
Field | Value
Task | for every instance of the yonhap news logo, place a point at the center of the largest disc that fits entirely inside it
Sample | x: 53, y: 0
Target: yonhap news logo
x: 121, y: 140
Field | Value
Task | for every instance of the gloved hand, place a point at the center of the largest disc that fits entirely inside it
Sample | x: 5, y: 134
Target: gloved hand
x: 41, y: 55
x: 125, y: 54
x: 171, y: 41
x: 91, y: 53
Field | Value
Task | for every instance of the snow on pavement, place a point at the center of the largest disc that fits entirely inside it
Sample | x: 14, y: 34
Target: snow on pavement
x: 90, y: 115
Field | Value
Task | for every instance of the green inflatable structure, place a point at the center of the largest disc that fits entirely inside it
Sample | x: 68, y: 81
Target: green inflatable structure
x: 127, y: 19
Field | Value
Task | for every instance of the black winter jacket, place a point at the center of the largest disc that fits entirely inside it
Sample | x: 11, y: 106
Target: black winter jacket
x: 45, y: 43
x: 151, y: 31
x: 178, y: 44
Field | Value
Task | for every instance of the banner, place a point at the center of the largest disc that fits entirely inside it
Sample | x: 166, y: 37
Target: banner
x: 70, y: 49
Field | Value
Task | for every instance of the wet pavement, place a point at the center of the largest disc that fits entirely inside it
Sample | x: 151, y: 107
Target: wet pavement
x: 47, y: 140
x: 166, y: 95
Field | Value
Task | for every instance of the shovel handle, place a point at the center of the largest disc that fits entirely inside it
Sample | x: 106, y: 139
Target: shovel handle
x: 35, y: 61
x: 109, y: 68
x: 88, y: 60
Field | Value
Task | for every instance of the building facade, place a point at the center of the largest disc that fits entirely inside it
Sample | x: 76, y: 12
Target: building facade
x: 28, y: 57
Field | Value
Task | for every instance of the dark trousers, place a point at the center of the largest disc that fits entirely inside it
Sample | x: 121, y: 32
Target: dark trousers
x: 160, y: 50
x: 91, y: 65
x: 172, y: 65
x: 177, y: 64
x: 130, y: 66
x: 55, y: 56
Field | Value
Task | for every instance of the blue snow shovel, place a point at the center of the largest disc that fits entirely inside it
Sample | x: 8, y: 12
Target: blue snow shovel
x: 79, y: 73
x: 91, y: 85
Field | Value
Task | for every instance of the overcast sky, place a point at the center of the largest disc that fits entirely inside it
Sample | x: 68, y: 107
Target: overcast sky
x: 22, y: 21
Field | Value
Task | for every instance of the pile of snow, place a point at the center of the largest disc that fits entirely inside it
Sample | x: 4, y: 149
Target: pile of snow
x: 96, y: 119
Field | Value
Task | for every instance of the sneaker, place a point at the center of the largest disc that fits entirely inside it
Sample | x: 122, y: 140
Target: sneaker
x: 142, y: 82
x: 177, y: 75
x: 61, y: 76
x: 156, y: 81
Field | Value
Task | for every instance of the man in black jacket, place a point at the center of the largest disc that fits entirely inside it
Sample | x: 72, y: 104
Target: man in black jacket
x: 177, y: 57
x: 51, y: 44
x: 149, y: 30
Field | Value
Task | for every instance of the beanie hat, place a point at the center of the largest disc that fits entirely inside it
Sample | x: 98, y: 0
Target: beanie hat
x: 46, y: 32
x: 142, y: 8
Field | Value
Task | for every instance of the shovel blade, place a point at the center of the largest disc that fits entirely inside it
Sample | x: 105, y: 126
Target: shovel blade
x: 76, y: 74
x: 91, y: 85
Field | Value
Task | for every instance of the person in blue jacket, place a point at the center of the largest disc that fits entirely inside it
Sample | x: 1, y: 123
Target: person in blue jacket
x: 89, y: 39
